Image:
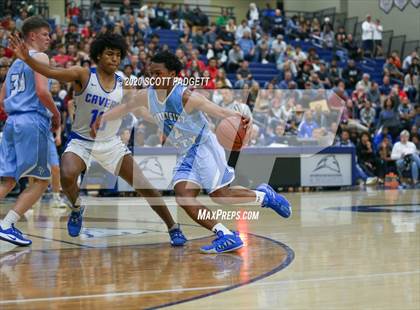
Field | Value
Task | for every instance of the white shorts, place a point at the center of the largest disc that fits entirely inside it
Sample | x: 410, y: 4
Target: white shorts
x: 107, y: 153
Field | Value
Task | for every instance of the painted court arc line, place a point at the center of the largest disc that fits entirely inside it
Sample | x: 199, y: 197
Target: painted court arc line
x: 219, y: 289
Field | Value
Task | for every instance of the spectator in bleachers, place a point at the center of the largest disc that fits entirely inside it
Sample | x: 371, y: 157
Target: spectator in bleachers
x: 231, y: 26
x: 415, y: 66
x: 391, y: 69
x: 210, y: 36
x: 226, y: 38
x: 351, y: 74
x: 367, y: 35
x: 411, y: 84
x: 198, y: 40
x: 365, y: 155
x: 340, y: 36
x: 236, y: 56
x: 367, y: 115
x: 256, y: 139
x: 247, y: 46
x: 266, y: 17
x: 253, y: 15
x: 241, y: 29
x: 406, y: 113
x: 373, y: 95
x: 355, y: 52
x: 377, y: 38
x: 327, y: 37
x: 385, y: 88
x: 175, y: 16
x: 364, y: 83
x: 389, y: 117
x: 406, y: 156
x: 408, y: 60
x: 288, y: 77
x: 384, y: 162
x: 221, y: 76
x: 277, y: 24
x: 307, y: 126
x: 223, y: 19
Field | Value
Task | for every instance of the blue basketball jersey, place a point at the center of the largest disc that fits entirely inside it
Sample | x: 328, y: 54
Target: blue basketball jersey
x: 21, y: 91
x: 182, y: 129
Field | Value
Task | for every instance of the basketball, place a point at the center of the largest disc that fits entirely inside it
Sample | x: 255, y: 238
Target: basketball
x: 231, y: 133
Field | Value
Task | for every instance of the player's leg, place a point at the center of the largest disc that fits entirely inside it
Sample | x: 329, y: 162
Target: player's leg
x: 55, y: 174
x: 71, y: 167
x: 186, y: 196
x: 7, y: 160
x: 30, y: 142
x: 132, y: 174
x: 216, y: 175
x: 6, y: 186
x: 264, y: 196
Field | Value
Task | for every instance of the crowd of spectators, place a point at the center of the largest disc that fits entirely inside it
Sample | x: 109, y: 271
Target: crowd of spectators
x: 351, y: 109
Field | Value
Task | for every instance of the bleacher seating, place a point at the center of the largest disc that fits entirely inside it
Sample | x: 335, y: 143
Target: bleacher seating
x: 263, y: 73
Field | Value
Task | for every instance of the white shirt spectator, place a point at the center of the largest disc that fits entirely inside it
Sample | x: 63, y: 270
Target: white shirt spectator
x: 400, y: 150
x: 377, y: 32
x: 367, y: 30
x: 278, y: 47
x: 241, y: 30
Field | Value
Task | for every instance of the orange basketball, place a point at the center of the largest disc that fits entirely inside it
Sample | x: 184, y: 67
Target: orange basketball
x: 231, y: 133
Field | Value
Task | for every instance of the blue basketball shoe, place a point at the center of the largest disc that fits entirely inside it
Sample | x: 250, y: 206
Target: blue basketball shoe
x: 177, y: 237
x: 223, y: 243
x: 14, y: 235
x: 275, y: 201
x: 74, y: 224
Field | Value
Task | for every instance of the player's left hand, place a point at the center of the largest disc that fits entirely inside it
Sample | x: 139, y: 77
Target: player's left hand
x: 18, y: 47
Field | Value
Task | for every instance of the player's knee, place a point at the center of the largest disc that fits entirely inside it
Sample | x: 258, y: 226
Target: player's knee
x: 67, y: 176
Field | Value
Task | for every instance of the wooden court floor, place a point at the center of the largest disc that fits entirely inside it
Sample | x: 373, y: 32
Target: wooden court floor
x: 340, y: 250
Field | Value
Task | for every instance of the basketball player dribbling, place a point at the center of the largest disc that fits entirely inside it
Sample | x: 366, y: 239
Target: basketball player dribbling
x: 201, y: 163
x: 98, y: 90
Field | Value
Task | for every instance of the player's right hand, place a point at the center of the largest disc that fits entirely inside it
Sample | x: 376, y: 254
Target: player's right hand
x: 95, y: 126
x: 18, y: 47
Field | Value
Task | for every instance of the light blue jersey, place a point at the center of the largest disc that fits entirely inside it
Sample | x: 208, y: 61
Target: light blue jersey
x: 24, y: 147
x: 20, y: 90
x: 201, y: 159
x: 182, y: 129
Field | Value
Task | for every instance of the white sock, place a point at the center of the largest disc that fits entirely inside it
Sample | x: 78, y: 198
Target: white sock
x: 259, y: 197
x: 221, y: 227
x: 11, y: 218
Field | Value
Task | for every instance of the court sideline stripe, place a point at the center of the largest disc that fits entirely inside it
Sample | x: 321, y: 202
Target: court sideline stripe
x: 123, y: 294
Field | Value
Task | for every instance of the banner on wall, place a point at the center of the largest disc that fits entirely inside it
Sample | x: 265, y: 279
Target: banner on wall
x: 326, y: 170
x: 386, y: 5
x: 401, y: 4
x: 415, y: 3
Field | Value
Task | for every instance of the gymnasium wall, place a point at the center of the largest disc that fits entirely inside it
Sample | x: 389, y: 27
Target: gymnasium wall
x: 402, y: 22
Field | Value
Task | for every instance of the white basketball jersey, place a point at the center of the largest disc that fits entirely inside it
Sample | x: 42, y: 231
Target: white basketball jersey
x: 94, y: 101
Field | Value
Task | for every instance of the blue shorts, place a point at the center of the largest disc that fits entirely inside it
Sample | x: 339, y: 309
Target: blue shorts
x: 205, y: 165
x: 52, y: 152
x: 24, y: 147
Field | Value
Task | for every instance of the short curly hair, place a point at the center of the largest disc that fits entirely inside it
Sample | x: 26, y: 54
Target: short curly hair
x: 110, y: 41
x: 170, y: 60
